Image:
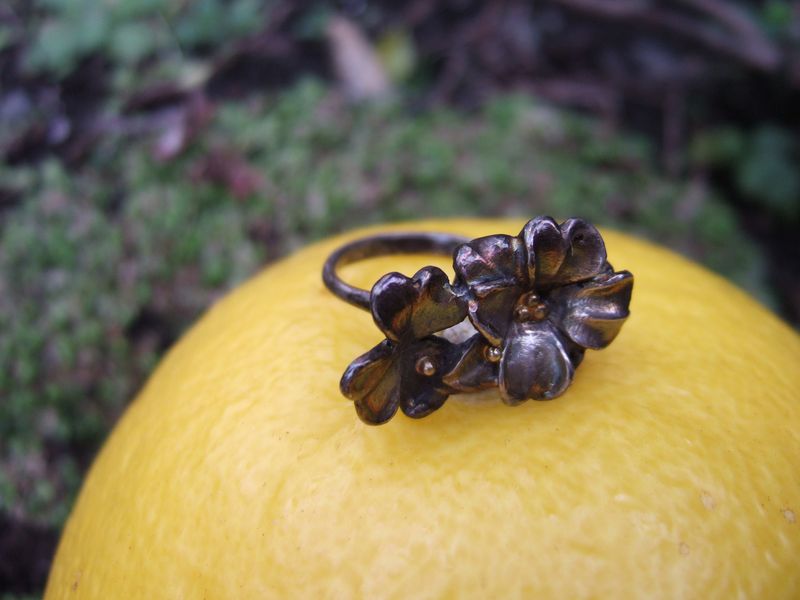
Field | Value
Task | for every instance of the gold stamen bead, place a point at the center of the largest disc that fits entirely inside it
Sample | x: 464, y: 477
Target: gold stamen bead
x: 425, y: 366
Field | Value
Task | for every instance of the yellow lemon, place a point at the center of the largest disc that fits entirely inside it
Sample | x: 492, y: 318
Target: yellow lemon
x: 670, y: 468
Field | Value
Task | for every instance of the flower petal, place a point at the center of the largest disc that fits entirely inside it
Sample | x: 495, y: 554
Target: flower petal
x: 372, y: 381
x: 391, y: 300
x: 586, y: 252
x: 473, y: 371
x: 422, y: 394
x: 493, y: 268
x: 423, y: 402
x: 492, y: 314
x: 412, y: 308
x: 595, y: 310
x: 535, y: 363
x: 488, y: 263
x: 546, y: 249
x: 438, y: 306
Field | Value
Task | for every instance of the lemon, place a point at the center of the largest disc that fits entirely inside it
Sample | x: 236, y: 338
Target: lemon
x: 670, y: 468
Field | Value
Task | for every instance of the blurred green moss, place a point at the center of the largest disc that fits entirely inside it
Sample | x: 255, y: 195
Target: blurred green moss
x: 103, y: 267
x: 762, y: 163
x: 125, y: 32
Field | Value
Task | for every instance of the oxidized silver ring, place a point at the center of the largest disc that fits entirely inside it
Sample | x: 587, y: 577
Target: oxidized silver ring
x: 519, y: 315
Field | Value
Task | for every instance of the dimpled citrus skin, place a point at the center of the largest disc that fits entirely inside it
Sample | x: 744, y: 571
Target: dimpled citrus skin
x: 670, y: 468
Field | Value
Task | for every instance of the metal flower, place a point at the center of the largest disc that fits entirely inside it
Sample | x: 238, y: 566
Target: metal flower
x: 537, y: 300
x: 540, y: 299
x: 406, y: 369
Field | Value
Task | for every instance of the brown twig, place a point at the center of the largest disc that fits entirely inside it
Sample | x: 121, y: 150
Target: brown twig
x: 745, y: 42
x: 579, y: 93
x: 457, y: 62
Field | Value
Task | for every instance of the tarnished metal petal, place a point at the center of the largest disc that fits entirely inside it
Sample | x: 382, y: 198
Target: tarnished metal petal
x: 586, y: 252
x: 595, y: 310
x: 535, y: 363
x: 473, y: 371
x: 412, y: 308
x: 438, y: 306
x: 491, y: 314
x: 423, y: 402
x: 391, y: 300
x: 546, y: 249
x: 371, y: 381
x: 422, y: 393
x: 488, y: 263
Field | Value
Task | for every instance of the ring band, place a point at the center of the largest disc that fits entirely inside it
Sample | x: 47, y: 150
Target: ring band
x: 382, y: 245
x: 519, y: 315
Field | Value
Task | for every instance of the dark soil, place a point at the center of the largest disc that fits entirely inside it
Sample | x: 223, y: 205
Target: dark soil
x: 25, y: 554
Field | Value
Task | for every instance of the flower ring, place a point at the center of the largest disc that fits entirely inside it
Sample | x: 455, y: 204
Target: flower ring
x: 534, y: 303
